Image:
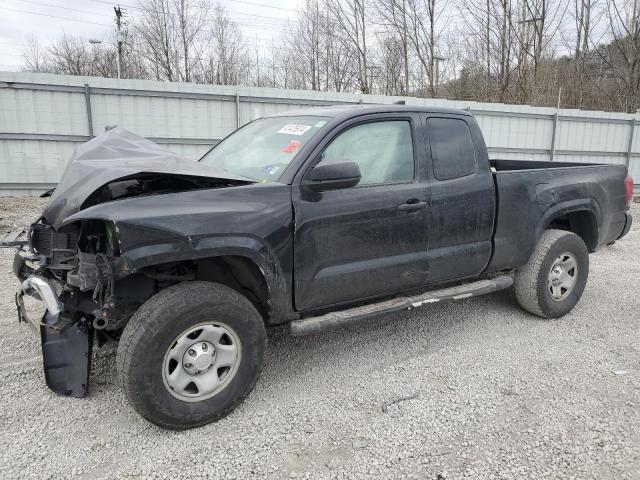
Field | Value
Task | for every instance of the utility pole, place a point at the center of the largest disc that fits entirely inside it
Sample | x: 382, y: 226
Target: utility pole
x: 119, y: 37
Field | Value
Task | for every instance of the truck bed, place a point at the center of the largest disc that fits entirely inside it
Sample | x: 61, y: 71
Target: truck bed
x: 529, y: 194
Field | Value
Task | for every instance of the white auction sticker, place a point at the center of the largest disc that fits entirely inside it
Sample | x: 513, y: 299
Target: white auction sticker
x: 294, y: 129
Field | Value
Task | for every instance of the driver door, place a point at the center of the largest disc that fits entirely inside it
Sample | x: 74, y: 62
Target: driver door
x: 369, y: 240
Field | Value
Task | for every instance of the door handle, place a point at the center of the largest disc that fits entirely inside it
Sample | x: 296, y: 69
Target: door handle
x: 412, y: 205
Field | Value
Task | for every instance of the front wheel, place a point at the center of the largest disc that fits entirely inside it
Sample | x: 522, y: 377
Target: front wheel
x: 191, y: 354
x: 551, y: 283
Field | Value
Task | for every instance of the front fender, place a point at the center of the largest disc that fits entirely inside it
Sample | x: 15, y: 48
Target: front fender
x: 194, y: 248
x: 255, y: 222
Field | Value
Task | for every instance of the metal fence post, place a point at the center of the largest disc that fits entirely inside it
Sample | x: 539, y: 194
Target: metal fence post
x: 237, y: 110
x: 632, y: 125
x: 552, y: 153
x: 87, y: 101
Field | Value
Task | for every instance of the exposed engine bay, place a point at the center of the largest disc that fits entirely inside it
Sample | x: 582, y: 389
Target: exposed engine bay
x: 88, y: 291
x: 76, y: 267
x: 79, y: 262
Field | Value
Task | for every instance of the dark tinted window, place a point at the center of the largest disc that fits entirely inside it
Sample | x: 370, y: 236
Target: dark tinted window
x: 451, y: 148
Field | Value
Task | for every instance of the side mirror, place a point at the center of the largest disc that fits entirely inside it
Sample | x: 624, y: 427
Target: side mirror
x: 333, y: 176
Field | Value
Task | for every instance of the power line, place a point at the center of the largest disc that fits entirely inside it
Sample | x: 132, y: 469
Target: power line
x: 119, y: 3
x: 142, y: 9
x: 65, y: 8
x: 267, y: 27
x: 263, y: 16
x: 261, y: 27
x: 263, y: 5
x: 54, y: 16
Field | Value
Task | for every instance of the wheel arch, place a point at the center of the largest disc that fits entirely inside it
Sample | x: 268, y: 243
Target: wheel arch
x: 581, y: 219
x: 242, y: 274
x: 242, y: 263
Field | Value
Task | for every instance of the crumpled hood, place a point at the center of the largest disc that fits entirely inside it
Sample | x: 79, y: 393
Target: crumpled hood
x: 119, y: 154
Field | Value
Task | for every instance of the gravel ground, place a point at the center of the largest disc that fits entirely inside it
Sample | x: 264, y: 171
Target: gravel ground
x: 481, y: 390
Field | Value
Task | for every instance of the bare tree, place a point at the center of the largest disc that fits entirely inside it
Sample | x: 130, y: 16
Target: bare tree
x: 392, y: 66
x: 423, y: 33
x: 393, y: 14
x: 490, y: 25
x: 35, y: 57
x: 351, y: 18
x: 70, y: 56
x: 158, y: 37
x: 319, y: 56
x: 583, y: 15
x: 623, y: 53
x: 502, y: 50
x: 339, y: 60
x: 191, y: 21
x: 307, y: 38
x: 538, y: 25
x: 505, y: 45
x: 227, y: 61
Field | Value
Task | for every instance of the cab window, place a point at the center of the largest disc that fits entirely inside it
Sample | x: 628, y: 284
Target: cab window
x: 452, y: 149
x: 382, y: 150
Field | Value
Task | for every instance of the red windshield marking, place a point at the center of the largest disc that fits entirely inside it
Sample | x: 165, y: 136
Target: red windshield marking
x: 292, y: 146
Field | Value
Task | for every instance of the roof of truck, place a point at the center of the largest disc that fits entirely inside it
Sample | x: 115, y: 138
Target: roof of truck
x: 349, y: 110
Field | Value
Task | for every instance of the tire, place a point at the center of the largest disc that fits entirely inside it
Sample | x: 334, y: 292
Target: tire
x: 157, y: 333
x: 536, y: 284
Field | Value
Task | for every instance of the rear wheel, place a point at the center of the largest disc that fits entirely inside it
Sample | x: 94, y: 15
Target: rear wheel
x: 191, y: 354
x: 551, y: 283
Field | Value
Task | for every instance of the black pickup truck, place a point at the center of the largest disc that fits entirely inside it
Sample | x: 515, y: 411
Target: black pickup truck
x: 314, y: 218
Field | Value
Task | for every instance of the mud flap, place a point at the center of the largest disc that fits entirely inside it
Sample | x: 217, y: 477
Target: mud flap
x: 66, y: 356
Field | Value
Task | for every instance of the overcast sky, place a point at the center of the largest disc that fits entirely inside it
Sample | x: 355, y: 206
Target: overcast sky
x: 263, y: 20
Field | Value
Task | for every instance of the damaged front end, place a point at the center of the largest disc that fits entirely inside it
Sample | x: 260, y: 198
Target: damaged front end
x: 73, y: 271
x: 74, y: 262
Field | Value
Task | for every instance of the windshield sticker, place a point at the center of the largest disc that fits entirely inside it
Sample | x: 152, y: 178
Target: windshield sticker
x: 292, y: 146
x: 271, y: 170
x: 321, y: 123
x: 294, y: 129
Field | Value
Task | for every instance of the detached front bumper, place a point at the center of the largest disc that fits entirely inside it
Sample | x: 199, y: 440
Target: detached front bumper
x: 34, y: 286
x: 66, y: 346
x: 40, y: 289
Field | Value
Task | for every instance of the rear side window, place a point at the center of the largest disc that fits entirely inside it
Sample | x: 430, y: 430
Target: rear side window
x: 452, y: 149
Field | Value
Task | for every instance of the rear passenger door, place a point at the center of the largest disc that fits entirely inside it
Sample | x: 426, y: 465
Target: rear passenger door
x: 462, y: 209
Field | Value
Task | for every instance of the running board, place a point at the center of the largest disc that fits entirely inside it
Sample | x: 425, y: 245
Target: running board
x: 343, y: 317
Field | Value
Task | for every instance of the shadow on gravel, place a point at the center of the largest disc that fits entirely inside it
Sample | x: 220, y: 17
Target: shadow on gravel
x: 374, y: 343
x: 368, y: 345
